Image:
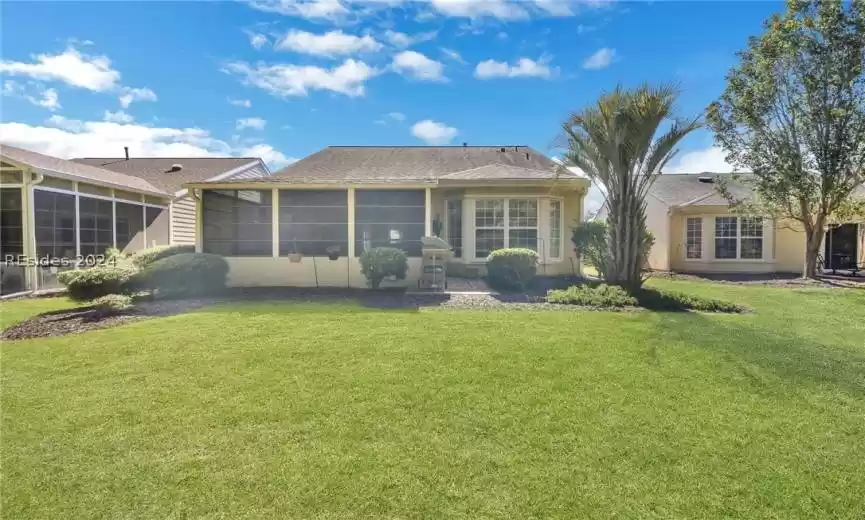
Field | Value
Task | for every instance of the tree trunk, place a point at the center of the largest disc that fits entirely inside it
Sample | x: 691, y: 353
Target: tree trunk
x: 813, y: 240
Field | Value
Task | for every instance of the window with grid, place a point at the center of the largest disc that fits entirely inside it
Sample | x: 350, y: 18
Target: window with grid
x: 455, y: 226
x: 555, y: 250
x: 523, y: 223
x: 237, y: 222
x: 751, y: 238
x: 313, y: 222
x: 726, y: 237
x: 694, y: 239
x: 489, y: 226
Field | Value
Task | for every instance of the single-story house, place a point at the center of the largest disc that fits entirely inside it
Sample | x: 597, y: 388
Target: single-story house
x: 170, y: 174
x: 307, y: 224
x: 55, y: 213
x: 696, y: 231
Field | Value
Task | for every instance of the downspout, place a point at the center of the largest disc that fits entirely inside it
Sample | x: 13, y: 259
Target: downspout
x: 30, y: 178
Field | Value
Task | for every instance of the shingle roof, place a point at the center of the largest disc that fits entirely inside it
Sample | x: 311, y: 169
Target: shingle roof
x: 157, y: 170
x: 350, y: 164
x: 676, y: 189
x: 84, y: 171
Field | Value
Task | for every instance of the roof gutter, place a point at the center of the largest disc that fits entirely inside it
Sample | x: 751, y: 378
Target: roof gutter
x: 87, y: 180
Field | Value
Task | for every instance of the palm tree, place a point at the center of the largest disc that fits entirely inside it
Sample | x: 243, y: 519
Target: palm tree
x: 616, y: 142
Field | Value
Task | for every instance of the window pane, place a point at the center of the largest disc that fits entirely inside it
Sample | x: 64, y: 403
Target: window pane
x: 555, y: 229
x: 455, y: 226
x: 725, y: 226
x: 523, y: 238
x: 489, y: 213
x: 752, y: 227
x: 694, y: 244
x: 487, y: 241
x: 725, y: 248
x: 313, y: 222
x: 237, y: 222
x: 389, y: 218
x: 522, y: 213
x: 752, y: 248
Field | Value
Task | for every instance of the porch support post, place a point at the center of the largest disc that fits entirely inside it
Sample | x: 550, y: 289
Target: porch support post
x: 114, y: 219
x: 199, y: 223
x: 28, y: 230
x: 351, y: 224
x: 77, y: 224
x: 275, y: 223
x: 427, y: 221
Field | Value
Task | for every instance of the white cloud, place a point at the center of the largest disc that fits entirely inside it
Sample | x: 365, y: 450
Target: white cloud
x: 273, y: 157
x: 257, y: 40
x: 379, y: 122
x: 452, y: 54
x: 502, y: 9
x: 313, y: 9
x: 555, y: 7
x: 329, y: 44
x: 256, y: 123
x: 433, y: 132
x: 295, y: 80
x: 68, y: 138
x: 711, y: 159
x: 71, y: 67
x: 245, y: 103
x: 396, y: 116
x: 33, y: 93
x: 418, y: 66
x: 129, y: 94
x: 600, y: 59
x: 403, y: 40
x: 523, y: 68
x: 118, y: 117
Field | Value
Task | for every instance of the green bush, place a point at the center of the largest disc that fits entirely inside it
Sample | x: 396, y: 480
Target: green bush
x: 601, y: 295
x: 509, y: 269
x: 185, y: 274
x: 101, y: 280
x: 381, y: 262
x: 145, y: 257
x: 662, y: 300
x: 114, y: 303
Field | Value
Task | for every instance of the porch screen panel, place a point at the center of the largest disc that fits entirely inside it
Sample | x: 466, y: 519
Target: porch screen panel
x: 389, y: 218
x: 11, y: 241
x: 312, y: 222
x: 130, y: 226
x: 237, y: 222
x: 55, y: 226
x: 94, y: 218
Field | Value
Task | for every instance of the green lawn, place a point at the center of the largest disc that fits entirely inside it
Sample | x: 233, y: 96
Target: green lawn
x: 273, y: 410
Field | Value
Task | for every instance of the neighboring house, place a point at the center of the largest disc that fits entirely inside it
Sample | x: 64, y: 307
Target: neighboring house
x: 170, y: 174
x: 696, y: 231
x: 283, y: 230
x: 54, y: 213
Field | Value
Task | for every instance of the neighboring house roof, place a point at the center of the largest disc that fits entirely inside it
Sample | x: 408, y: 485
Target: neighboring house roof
x: 419, y: 164
x: 158, y: 170
x: 64, y: 168
x: 700, y: 189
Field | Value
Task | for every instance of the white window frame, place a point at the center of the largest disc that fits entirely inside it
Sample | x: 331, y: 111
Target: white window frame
x: 738, y: 239
x: 688, y: 237
x: 476, y: 228
x: 558, y: 254
x: 543, y: 226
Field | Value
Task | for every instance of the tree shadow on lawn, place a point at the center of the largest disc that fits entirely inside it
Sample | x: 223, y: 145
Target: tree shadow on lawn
x: 786, y: 356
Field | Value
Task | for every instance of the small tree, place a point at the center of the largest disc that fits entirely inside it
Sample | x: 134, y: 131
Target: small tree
x: 793, y: 114
x: 617, y: 142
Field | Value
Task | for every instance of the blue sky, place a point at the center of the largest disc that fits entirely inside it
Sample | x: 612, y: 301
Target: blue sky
x: 282, y: 79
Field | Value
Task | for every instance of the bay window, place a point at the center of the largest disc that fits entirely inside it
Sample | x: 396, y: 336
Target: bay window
x: 455, y: 226
x: 493, y: 231
x: 738, y: 238
x: 555, y: 249
x: 489, y: 226
x: 694, y: 238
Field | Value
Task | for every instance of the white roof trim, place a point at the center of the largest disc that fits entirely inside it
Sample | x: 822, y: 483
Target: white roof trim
x: 228, y: 174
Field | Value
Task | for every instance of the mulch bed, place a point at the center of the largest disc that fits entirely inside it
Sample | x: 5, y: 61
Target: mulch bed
x: 792, y: 281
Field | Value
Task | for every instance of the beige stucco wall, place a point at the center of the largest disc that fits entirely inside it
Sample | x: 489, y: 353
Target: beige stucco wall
x: 658, y: 223
x: 282, y: 272
x: 783, y: 246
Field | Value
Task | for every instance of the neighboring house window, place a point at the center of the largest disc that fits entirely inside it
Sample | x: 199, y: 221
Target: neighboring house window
x: 523, y: 223
x: 313, y: 221
x: 389, y: 218
x: 555, y: 249
x: 489, y: 226
x: 694, y: 239
x: 738, y: 238
x: 455, y: 226
x: 237, y: 222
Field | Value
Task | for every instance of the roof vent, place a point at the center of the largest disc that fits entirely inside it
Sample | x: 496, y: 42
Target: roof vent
x: 706, y: 179
x: 175, y: 167
x: 503, y: 149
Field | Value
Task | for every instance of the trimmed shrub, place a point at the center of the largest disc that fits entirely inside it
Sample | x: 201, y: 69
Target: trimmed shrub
x: 145, y: 257
x: 88, y: 284
x: 510, y: 269
x: 114, y: 303
x: 381, y: 262
x: 185, y: 274
x: 601, y: 295
x: 662, y: 300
